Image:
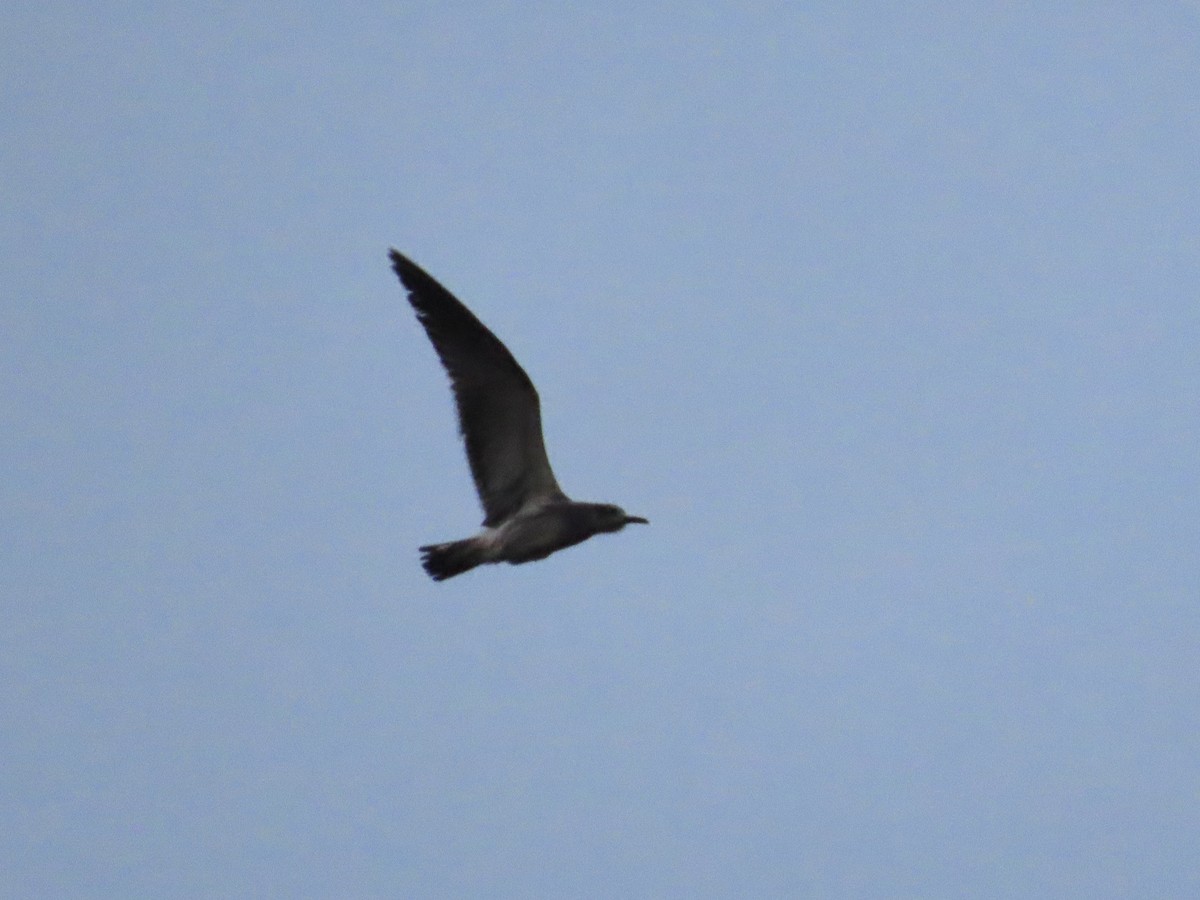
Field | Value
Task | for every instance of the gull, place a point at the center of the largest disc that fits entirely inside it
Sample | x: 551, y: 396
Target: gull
x: 526, y: 514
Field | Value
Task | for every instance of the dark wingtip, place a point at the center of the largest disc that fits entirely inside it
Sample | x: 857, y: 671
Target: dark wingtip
x: 415, y: 279
x: 400, y: 262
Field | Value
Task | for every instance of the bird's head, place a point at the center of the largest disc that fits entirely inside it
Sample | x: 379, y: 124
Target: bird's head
x: 613, y: 518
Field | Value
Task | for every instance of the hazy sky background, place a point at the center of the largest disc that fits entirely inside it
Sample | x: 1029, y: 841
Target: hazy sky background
x: 885, y: 315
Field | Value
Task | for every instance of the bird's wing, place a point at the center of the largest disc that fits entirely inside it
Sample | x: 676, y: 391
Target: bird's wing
x: 498, y: 409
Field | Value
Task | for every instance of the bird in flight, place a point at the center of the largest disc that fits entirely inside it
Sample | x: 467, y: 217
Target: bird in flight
x: 526, y: 515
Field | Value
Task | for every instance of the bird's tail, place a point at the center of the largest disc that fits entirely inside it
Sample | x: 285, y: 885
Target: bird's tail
x: 444, y: 561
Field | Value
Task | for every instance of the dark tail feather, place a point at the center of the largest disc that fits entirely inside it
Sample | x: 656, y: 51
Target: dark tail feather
x: 444, y: 561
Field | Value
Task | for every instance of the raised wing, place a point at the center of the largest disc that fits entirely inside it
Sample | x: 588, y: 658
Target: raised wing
x: 498, y: 410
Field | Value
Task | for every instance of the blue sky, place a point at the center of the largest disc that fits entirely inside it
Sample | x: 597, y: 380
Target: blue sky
x: 885, y: 316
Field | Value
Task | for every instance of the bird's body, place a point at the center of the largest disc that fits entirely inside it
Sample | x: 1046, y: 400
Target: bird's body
x: 526, y: 515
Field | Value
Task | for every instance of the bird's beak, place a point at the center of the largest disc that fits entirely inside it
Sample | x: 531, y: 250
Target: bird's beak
x: 629, y: 520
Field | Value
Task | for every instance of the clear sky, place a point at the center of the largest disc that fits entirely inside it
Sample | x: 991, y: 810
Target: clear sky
x: 885, y: 315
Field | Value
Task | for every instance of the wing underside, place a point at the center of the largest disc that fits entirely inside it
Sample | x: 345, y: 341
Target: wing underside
x: 499, y: 413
